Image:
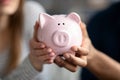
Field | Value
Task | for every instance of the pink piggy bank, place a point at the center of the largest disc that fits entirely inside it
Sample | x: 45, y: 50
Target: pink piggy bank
x: 60, y: 32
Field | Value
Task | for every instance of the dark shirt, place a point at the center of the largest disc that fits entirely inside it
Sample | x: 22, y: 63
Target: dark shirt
x: 104, y: 32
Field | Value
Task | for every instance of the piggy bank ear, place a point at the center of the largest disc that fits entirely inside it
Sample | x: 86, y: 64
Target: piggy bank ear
x: 74, y: 16
x: 44, y: 18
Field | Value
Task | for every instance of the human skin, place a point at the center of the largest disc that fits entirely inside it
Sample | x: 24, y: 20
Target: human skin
x: 45, y: 55
x: 81, y: 55
x: 7, y: 8
x: 104, y: 67
x: 40, y: 54
x: 37, y: 56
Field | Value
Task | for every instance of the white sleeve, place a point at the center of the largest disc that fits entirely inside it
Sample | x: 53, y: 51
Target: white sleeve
x: 24, y: 71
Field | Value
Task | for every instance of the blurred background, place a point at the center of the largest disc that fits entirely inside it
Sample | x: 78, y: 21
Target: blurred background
x: 86, y: 8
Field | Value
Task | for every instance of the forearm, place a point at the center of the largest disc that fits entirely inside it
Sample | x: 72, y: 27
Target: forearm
x: 23, y: 72
x: 104, y: 67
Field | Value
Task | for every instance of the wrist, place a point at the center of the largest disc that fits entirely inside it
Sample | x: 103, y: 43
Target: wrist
x: 91, y: 56
x: 37, y: 65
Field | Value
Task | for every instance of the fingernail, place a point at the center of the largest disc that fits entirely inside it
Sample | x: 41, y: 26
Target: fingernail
x: 52, y: 54
x: 67, y: 56
x: 51, y: 61
x: 42, y: 46
x: 74, y: 48
x: 80, y: 49
x: 49, y: 50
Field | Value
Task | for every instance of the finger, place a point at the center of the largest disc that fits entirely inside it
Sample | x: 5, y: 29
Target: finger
x: 38, y: 52
x: 59, y: 61
x: 52, y: 54
x: 74, y: 48
x: 62, y: 63
x: 46, y: 57
x: 86, y: 43
x: 49, y: 61
x: 36, y: 45
x: 48, y: 50
x: 80, y: 50
x: 35, y: 30
x: 41, y: 52
x: 76, y: 60
x: 68, y: 60
x: 83, y: 57
x: 84, y: 30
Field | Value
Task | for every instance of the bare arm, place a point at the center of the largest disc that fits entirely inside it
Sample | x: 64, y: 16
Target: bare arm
x: 104, y: 67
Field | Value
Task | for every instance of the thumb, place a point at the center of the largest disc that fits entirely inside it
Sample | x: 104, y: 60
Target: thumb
x: 36, y: 30
x: 76, y: 60
x: 84, y: 30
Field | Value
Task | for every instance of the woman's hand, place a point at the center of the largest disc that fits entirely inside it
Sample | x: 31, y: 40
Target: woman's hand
x: 39, y: 53
x: 80, y: 58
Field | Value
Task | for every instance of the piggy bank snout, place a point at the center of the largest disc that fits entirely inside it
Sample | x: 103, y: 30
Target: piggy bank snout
x: 60, y: 38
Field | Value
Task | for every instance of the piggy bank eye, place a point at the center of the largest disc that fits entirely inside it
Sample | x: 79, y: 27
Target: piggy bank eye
x: 63, y: 23
x: 58, y: 23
